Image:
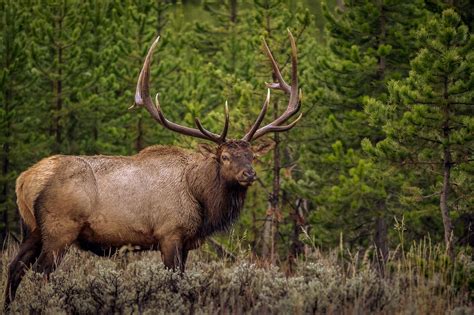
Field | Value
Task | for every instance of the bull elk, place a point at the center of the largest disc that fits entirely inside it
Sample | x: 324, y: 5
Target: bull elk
x: 164, y: 197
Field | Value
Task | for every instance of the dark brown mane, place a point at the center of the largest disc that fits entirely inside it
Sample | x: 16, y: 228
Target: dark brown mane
x: 220, y: 201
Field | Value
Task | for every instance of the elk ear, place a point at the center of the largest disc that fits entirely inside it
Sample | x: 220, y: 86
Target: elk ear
x: 207, y: 150
x: 263, y: 148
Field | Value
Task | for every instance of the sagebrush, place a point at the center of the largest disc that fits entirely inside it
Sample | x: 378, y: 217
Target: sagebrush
x: 420, y: 281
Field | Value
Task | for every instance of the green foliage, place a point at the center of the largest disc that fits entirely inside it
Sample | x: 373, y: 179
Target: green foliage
x: 428, y: 118
x: 368, y: 44
x: 16, y: 119
x: 369, y: 146
x: 58, y: 67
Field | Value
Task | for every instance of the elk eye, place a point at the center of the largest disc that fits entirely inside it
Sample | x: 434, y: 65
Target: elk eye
x: 225, y: 157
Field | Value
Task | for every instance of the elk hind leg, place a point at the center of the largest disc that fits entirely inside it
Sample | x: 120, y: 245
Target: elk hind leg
x: 29, y: 251
x: 57, y: 236
x: 63, y: 213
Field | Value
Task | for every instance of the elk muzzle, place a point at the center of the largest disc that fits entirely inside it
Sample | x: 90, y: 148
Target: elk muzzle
x: 247, y: 176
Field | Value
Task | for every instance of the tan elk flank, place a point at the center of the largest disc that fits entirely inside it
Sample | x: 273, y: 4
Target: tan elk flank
x: 164, y: 197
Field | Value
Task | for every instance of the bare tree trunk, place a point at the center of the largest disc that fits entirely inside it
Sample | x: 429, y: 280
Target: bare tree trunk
x: 139, y: 139
x: 139, y: 145
x: 96, y: 122
x: 233, y: 11
x: 160, y: 18
x: 381, y: 41
x: 296, y: 247
x: 268, y: 245
x: 467, y: 221
x: 381, y: 242
x: 58, y: 97
x: 448, y: 227
x: 271, y: 224
x: 6, y: 163
x: 253, y: 227
x: 267, y: 237
x: 298, y: 221
x: 447, y: 163
x: 380, y: 228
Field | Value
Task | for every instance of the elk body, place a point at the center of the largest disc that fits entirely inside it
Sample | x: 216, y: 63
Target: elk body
x: 164, y: 197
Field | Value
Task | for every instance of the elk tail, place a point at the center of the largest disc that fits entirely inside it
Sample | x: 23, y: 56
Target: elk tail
x: 24, y: 206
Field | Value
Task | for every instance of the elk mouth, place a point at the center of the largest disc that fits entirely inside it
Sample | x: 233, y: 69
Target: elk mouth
x: 246, y: 182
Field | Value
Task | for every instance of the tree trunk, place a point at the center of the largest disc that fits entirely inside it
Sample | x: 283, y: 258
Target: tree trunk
x: 447, y: 163
x: 267, y: 237
x: 381, y: 242
x: 139, y: 139
x: 58, y: 97
x: 6, y: 163
x: 233, y: 11
x: 380, y: 235
x: 139, y: 145
x: 381, y: 41
x: 95, y: 107
x: 271, y: 223
x: 448, y: 227
x: 296, y: 246
x: 160, y: 18
x: 269, y: 228
x: 253, y: 228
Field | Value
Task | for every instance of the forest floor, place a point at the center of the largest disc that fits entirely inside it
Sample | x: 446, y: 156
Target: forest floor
x: 418, y: 281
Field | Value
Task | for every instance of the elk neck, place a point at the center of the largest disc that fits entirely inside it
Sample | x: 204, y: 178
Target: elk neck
x: 220, y: 202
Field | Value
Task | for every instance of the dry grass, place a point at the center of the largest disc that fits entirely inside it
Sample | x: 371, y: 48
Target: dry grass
x: 418, y: 281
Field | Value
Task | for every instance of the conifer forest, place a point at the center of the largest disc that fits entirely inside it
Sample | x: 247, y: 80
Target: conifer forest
x: 366, y: 206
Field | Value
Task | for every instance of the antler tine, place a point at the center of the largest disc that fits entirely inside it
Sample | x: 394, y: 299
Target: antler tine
x: 142, y: 93
x: 222, y: 137
x: 259, y: 120
x: 206, y: 132
x: 283, y: 128
x: 294, y: 99
x: 281, y: 85
x: 142, y: 98
x: 226, y: 123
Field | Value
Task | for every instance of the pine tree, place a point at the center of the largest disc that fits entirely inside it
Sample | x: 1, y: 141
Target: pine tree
x: 14, y: 76
x: 57, y: 29
x: 429, y: 119
x: 368, y: 44
x: 97, y: 101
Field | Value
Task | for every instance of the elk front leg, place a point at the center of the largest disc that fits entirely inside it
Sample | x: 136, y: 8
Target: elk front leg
x: 184, y: 257
x: 172, y: 254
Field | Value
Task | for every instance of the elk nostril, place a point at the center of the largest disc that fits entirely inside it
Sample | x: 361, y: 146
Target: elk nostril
x: 249, y: 174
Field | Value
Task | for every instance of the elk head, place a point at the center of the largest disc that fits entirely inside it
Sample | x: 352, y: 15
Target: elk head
x: 234, y: 157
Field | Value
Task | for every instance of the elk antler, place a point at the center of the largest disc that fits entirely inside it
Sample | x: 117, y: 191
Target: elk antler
x: 294, y: 100
x: 142, y: 98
